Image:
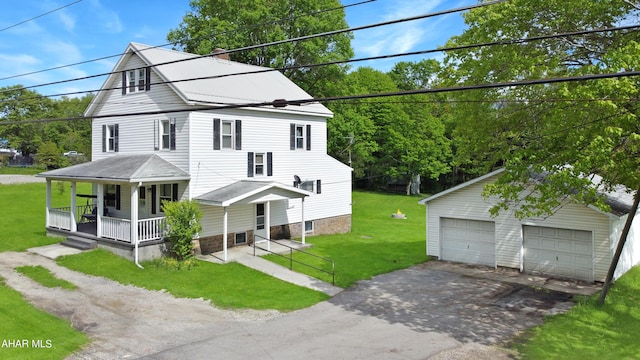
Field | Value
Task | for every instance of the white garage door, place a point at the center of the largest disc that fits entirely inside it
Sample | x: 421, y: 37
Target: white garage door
x: 468, y: 241
x: 560, y: 252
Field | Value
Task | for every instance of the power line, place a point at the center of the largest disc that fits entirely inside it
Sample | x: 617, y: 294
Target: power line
x: 283, y: 103
x: 388, y: 56
x: 168, y: 44
x: 39, y: 16
x: 279, y: 42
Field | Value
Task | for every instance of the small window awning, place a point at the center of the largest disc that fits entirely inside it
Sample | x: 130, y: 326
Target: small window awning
x: 250, y: 192
x: 121, y: 168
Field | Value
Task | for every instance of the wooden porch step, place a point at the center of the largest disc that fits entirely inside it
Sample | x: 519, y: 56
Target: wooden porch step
x: 77, y: 242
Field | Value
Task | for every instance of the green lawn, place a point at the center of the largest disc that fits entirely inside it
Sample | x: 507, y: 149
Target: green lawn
x: 43, y: 276
x: 20, y: 170
x: 228, y: 286
x: 47, y: 336
x: 22, y: 213
x: 590, y: 331
x: 377, y: 243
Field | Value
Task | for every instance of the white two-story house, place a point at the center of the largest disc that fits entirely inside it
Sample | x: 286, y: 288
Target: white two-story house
x: 169, y: 125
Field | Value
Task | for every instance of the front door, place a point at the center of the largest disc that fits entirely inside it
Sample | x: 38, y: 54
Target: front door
x: 260, y: 230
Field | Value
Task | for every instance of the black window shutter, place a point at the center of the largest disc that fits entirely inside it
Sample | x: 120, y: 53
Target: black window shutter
x: 269, y: 164
x: 117, y: 197
x: 116, y: 135
x: 308, y: 137
x: 292, y: 137
x: 156, y: 135
x: 104, y: 138
x: 238, y: 134
x: 124, y: 82
x: 318, y: 186
x: 250, y: 164
x: 153, y: 199
x: 174, y: 192
x: 147, y: 78
x: 216, y: 134
x: 172, y: 134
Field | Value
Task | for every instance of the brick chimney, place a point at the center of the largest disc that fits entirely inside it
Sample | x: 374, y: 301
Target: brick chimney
x: 220, y: 54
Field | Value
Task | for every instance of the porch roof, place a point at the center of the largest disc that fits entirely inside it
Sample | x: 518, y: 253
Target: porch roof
x: 247, y: 192
x: 121, y: 168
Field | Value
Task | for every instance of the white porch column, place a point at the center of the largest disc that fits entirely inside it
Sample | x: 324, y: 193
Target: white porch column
x: 225, y: 219
x: 303, y: 229
x: 74, y: 224
x: 100, y: 209
x: 267, y: 223
x: 134, y: 220
x: 48, y: 202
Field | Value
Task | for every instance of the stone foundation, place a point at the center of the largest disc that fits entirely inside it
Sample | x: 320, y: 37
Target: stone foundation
x: 212, y: 244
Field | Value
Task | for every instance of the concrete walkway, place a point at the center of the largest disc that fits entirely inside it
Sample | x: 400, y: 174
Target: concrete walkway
x: 245, y: 256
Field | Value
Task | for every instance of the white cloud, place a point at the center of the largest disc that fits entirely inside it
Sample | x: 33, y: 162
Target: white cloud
x: 68, y: 21
x: 106, y: 18
x: 63, y: 52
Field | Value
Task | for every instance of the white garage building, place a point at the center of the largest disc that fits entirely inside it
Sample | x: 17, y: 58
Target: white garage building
x: 577, y: 242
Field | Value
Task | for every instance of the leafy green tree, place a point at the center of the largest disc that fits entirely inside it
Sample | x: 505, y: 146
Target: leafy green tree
x: 236, y: 24
x: 183, y: 224
x: 565, y: 131
x: 50, y: 156
x: 18, y: 104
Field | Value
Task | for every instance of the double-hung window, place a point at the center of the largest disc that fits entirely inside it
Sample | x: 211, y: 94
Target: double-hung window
x: 110, y: 138
x: 300, y: 137
x: 165, y: 134
x: 136, y: 80
x: 227, y: 134
x: 259, y: 164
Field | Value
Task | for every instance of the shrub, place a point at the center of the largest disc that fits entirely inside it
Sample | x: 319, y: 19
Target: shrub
x: 183, y: 224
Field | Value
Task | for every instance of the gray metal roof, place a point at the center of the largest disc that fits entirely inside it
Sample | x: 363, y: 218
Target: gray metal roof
x: 246, y: 190
x: 231, y: 88
x: 121, y: 168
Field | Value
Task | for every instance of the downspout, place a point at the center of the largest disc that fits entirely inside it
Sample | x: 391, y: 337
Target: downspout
x: 134, y: 226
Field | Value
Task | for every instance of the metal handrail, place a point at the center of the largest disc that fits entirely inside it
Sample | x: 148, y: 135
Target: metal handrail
x: 291, y: 260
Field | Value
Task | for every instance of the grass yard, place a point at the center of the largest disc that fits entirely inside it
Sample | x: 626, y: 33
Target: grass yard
x: 377, y: 243
x: 22, y: 213
x: 227, y: 286
x: 590, y: 331
x: 20, y: 170
x: 44, y: 277
x: 47, y: 336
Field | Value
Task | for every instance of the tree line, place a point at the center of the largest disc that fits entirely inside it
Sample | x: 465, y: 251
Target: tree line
x: 563, y: 130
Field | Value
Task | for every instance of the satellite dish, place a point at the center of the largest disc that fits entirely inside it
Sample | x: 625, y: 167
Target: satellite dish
x: 296, y: 180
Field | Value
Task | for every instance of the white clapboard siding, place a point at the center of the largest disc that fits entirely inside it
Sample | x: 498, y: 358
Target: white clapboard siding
x: 468, y: 203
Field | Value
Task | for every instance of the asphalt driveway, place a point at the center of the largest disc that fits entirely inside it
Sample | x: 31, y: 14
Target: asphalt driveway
x: 417, y: 313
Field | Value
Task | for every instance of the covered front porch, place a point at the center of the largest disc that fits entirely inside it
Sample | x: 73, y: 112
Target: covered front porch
x: 124, y: 204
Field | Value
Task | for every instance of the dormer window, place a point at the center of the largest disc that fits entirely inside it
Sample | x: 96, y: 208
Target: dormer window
x: 136, y: 80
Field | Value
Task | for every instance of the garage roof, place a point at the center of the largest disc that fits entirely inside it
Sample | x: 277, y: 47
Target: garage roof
x: 620, y: 199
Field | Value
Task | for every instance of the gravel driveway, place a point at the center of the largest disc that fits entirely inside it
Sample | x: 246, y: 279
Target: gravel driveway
x: 418, y: 313
x: 19, y: 179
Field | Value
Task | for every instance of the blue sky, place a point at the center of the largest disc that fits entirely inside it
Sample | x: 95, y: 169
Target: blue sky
x: 93, y: 29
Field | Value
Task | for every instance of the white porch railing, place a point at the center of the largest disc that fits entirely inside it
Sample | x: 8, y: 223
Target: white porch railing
x: 151, y: 229
x: 60, y: 218
x: 111, y: 227
x: 116, y: 228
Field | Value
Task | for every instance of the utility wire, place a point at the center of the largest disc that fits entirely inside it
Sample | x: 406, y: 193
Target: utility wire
x: 279, y: 42
x: 168, y: 44
x: 39, y: 16
x: 338, y: 62
x: 282, y: 103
